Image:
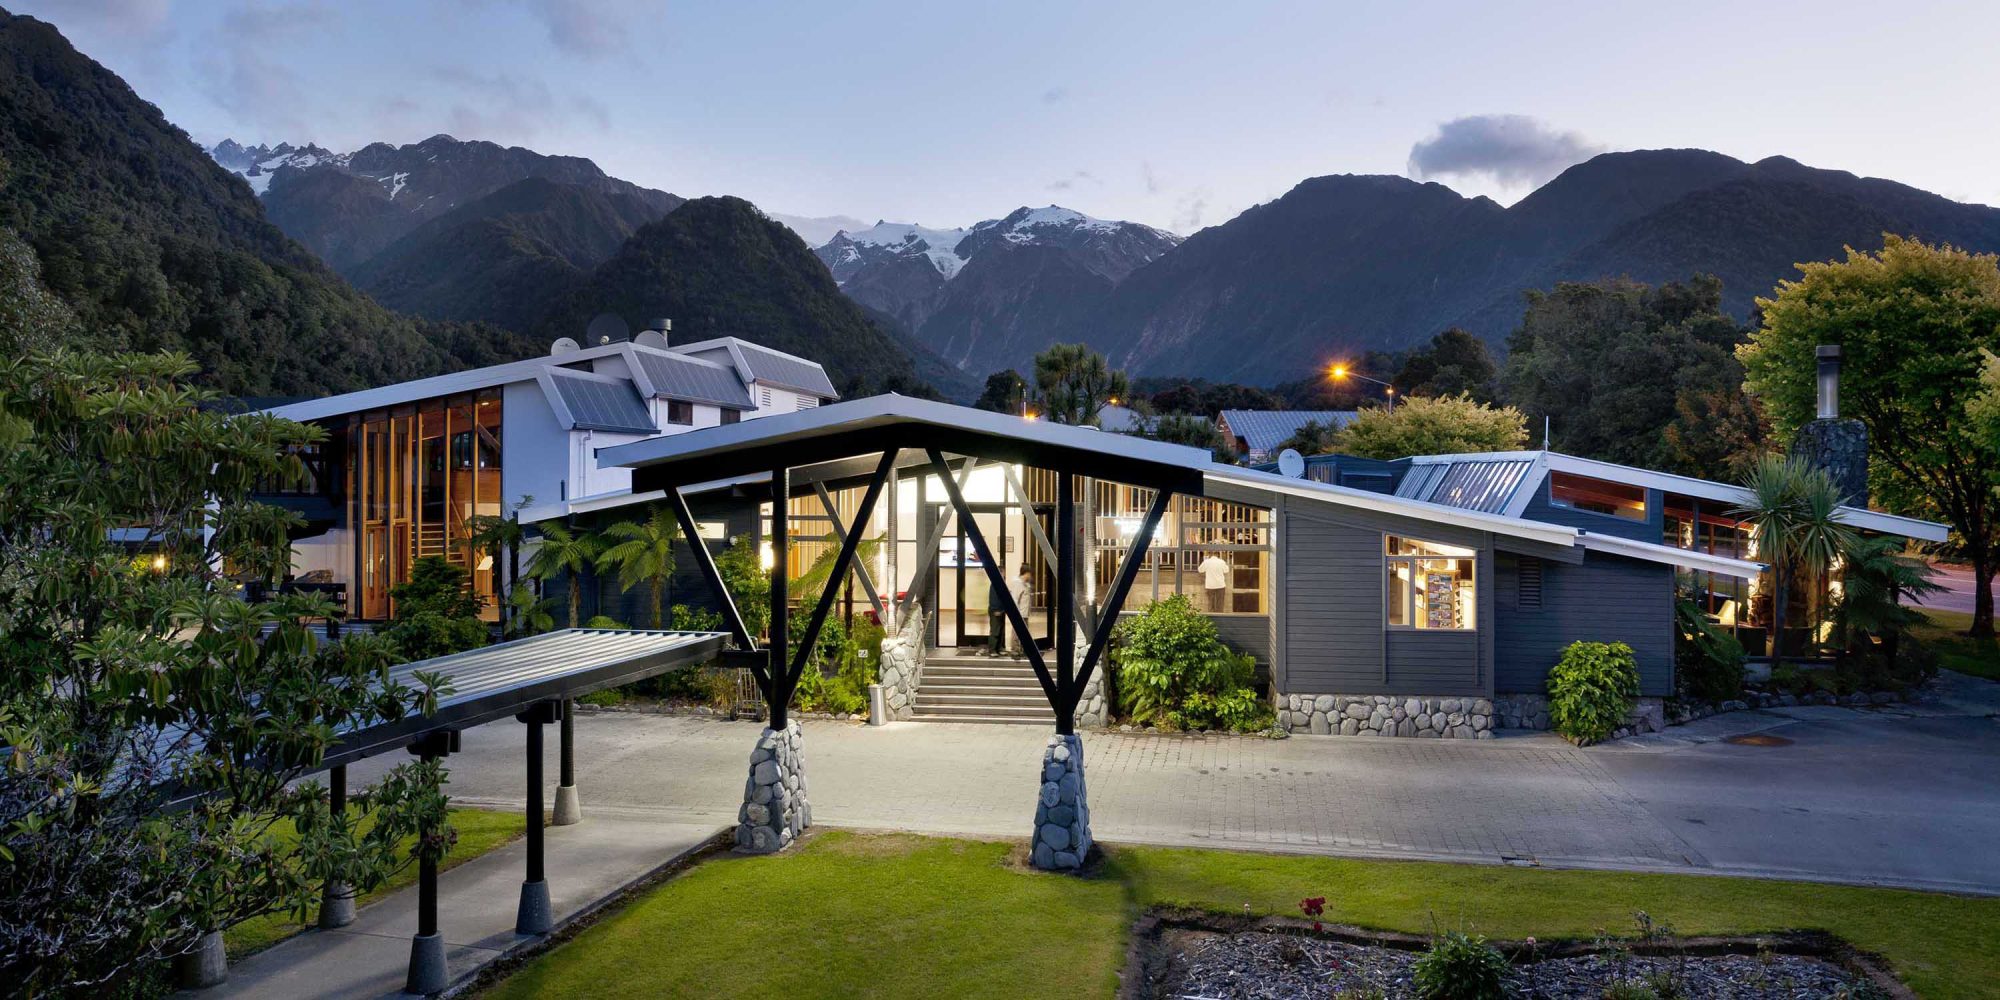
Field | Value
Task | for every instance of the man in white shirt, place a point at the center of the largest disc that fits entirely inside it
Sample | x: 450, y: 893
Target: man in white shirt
x: 1020, y: 590
x: 1214, y: 572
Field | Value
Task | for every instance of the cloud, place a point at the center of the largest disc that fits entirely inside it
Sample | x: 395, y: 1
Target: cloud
x: 1189, y: 211
x: 1152, y: 180
x: 241, y: 75
x: 130, y: 17
x: 1511, y: 150
x: 589, y: 28
x: 1075, y: 178
x: 503, y: 107
x: 1055, y: 95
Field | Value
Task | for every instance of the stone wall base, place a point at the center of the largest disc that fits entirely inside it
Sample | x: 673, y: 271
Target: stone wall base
x: 1410, y: 716
x: 1062, y: 812
x: 775, y: 807
x: 903, y: 665
x: 1531, y: 711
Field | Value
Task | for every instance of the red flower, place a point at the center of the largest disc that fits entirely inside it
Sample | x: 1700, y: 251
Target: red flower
x: 1313, y: 906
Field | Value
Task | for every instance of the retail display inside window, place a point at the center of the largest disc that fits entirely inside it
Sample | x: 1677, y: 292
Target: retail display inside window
x: 1430, y: 585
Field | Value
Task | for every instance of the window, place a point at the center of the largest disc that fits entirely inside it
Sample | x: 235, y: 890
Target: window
x: 680, y: 411
x: 1597, y: 496
x: 730, y: 416
x: 1430, y: 586
x: 1216, y: 552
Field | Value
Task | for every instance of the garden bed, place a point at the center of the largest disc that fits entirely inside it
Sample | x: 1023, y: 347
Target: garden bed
x: 1185, y: 954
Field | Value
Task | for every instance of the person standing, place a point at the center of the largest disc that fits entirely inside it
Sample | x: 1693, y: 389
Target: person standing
x: 1022, y: 592
x: 996, y: 623
x: 1214, y: 572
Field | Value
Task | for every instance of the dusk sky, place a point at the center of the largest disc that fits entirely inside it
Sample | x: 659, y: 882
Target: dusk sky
x: 1177, y: 115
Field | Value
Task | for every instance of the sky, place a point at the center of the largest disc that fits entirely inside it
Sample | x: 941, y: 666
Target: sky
x: 1178, y: 115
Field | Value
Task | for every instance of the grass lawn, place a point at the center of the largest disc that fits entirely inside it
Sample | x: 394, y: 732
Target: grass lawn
x: 479, y: 831
x: 850, y: 914
x: 1946, y: 634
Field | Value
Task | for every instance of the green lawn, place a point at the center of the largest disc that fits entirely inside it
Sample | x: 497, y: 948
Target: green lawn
x: 1946, y: 634
x: 902, y: 916
x: 479, y: 831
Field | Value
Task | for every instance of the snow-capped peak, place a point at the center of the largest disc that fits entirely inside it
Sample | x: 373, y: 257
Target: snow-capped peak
x: 258, y: 163
x: 940, y: 245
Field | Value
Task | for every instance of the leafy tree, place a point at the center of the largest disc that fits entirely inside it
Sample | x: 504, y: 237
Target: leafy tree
x: 749, y: 584
x: 1870, y: 617
x: 1717, y: 433
x: 1454, y: 363
x: 31, y: 318
x: 565, y: 553
x: 1443, y: 425
x: 643, y: 551
x: 1918, y: 327
x: 1791, y: 512
x: 1074, y: 383
x: 528, y: 613
x: 1202, y: 398
x: 1608, y: 363
x: 1195, y: 432
x: 436, y: 611
x: 1005, y: 391
x: 158, y: 725
x: 1314, y: 438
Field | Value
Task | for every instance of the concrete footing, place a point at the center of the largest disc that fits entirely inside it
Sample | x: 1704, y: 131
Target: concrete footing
x: 336, y: 906
x: 535, y: 915
x: 207, y: 965
x: 567, y: 811
x: 1062, y: 811
x: 775, y: 807
x: 428, y: 974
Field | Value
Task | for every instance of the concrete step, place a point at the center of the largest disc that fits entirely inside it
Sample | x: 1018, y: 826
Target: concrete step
x: 1022, y: 713
x: 927, y: 698
x: 1022, y: 678
x: 986, y: 720
x: 934, y: 689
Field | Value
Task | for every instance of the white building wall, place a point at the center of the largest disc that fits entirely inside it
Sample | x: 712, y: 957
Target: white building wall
x: 535, y: 449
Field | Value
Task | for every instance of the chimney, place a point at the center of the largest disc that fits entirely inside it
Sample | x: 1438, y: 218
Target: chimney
x: 1828, y: 442
x: 1829, y: 380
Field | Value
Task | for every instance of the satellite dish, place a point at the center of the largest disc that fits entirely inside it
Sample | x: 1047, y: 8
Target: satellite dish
x: 650, y: 338
x: 607, y: 328
x: 563, y: 345
x: 1291, y: 464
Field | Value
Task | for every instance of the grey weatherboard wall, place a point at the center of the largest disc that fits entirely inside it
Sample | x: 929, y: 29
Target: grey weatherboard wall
x: 1603, y: 599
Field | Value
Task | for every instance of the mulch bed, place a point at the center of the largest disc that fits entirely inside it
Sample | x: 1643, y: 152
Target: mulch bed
x: 1192, y: 955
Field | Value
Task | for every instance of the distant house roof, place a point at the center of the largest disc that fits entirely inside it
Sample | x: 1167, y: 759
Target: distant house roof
x: 1261, y: 432
x: 1481, y: 485
x: 598, y: 402
x: 1118, y: 420
x: 765, y: 366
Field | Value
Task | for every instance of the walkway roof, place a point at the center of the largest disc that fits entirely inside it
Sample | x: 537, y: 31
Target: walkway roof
x: 499, y: 682
x: 879, y: 423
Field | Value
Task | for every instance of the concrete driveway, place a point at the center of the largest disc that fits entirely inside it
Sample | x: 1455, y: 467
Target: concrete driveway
x: 1902, y: 795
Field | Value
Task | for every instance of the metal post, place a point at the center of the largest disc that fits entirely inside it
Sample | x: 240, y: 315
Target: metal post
x: 779, y: 668
x: 1065, y: 636
x: 568, y: 811
x: 534, y: 915
x: 336, y: 906
x: 428, y: 973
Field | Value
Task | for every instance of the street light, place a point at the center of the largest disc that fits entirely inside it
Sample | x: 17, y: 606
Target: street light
x: 1338, y: 372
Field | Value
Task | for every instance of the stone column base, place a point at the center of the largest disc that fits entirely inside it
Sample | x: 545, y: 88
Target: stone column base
x: 535, y: 915
x: 336, y: 906
x: 775, y: 807
x: 1062, y: 813
x: 428, y: 974
x: 567, y: 811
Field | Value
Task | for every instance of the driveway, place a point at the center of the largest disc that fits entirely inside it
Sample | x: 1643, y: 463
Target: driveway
x: 1900, y: 795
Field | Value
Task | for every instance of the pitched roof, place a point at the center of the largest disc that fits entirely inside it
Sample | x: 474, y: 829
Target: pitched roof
x: 763, y: 365
x: 1263, y: 431
x: 678, y: 376
x: 598, y: 402
x: 1487, y: 486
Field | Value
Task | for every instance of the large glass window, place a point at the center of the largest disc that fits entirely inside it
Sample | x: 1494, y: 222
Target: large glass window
x: 1430, y: 585
x: 1598, y: 496
x: 1215, y: 552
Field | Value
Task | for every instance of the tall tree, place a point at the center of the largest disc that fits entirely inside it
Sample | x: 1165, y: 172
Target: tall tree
x: 1195, y: 432
x: 1791, y: 511
x: 1918, y: 327
x: 1444, y: 425
x: 1005, y: 391
x: 642, y: 551
x: 1454, y: 363
x: 1608, y: 364
x: 1314, y: 438
x: 1074, y: 384
x: 565, y: 553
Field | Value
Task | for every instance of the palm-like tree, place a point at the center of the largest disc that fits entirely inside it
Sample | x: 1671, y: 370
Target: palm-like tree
x: 643, y: 551
x: 1791, y: 510
x: 1074, y: 383
x: 566, y: 553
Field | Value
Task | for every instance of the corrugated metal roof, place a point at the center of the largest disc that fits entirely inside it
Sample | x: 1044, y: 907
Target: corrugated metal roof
x: 1480, y: 486
x: 762, y: 364
x: 1264, y: 430
x: 676, y: 376
x: 602, y: 404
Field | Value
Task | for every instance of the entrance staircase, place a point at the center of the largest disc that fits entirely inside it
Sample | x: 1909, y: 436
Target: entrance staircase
x: 961, y: 687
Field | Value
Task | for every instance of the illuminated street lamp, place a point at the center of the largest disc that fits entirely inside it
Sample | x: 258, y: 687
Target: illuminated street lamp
x: 1339, y: 372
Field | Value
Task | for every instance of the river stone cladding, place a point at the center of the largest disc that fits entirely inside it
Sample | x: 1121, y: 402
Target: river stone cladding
x: 1531, y: 711
x: 903, y: 666
x: 1062, y: 812
x: 1417, y: 716
x: 775, y: 808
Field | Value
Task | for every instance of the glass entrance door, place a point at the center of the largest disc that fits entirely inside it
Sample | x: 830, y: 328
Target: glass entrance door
x: 962, y: 591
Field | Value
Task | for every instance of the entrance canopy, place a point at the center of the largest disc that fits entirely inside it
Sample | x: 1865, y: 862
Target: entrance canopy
x: 499, y: 682
x: 876, y: 424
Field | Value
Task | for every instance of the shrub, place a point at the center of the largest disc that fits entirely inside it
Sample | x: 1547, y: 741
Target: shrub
x: 436, y: 613
x: 604, y: 621
x: 1174, y: 671
x: 1592, y: 690
x: 1458, y: 967
x: 1708, y: 661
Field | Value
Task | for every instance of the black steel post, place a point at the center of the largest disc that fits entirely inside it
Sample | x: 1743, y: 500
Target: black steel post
x: 1065, y: 602
x: 567, y: 770
x: 779, y: 689
x: 535, y: 870
x: 336, y: 780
